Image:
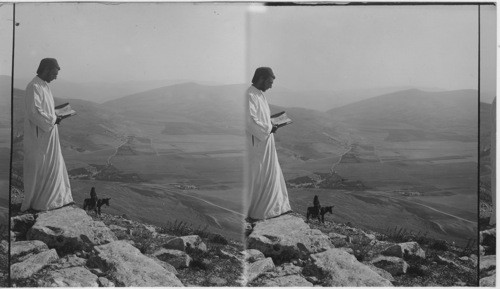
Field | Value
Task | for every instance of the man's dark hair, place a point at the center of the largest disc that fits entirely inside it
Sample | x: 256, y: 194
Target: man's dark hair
x: 264, y: 72
x: 49, y: 63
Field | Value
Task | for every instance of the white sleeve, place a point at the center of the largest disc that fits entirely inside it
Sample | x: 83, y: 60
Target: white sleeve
x: 35, y: 111
x: 257, y: 127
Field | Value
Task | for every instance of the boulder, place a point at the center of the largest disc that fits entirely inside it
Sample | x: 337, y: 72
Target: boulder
x: 287, y: 281
x: 394, y: 265
x: 252, y: 255
x: 257, y: 268
x: 69, y: 277
x: 126, y: 266
x: 402, y: 250
x: 381, y: 272
x: 287, y: 237
x: 33, y: 264
x: 487, y: 263
x: 186, y: 243
x: 23, y: 248
x: 337, y: 269
x: 167, y: 266
x: 178, y: 259
x: 487, y: 281
x: 69, y: 229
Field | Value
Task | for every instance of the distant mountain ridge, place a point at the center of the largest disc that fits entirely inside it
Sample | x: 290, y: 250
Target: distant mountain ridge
x: 444, y: 112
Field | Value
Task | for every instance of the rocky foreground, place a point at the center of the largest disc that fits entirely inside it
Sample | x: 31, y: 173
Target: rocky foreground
x: 487, y: 267
x: 68, y: 248
x: 286, y: 251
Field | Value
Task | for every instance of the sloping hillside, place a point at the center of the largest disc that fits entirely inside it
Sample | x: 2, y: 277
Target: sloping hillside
x: 418, y: 115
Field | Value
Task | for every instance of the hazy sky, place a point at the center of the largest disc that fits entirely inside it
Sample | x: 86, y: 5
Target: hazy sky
x: 121, y: 42
x: 345, y: 47
x: 6, y: 36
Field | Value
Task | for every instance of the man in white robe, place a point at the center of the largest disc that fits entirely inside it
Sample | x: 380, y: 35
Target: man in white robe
x: 267, y: 193
x: 46, y: 182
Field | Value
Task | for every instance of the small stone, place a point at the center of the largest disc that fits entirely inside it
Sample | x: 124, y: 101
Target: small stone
x: 186, y: 243
x: 252, y: 255
x: 104, y: 282
x: 217, y: 281
x: 402, y: 250
x: 178, y: 259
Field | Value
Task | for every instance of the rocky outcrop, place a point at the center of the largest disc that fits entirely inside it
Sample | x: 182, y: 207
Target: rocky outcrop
x: 288, y: 237
x: 69, y: 277
x: 69, y: 228
x: 32, y: 265
x: 338, y: 269
x: 487, y: 262
x: 128, y: 267
x: 257, y: 268
x: 23, y: 248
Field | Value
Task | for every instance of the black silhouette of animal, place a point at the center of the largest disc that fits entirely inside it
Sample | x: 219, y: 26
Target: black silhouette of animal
x: 100, y: 203
x: 313, y: 212
x: 91, y: 203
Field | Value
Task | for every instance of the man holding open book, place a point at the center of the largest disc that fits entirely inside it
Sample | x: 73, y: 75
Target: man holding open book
x: 46, y: 182
x: 267, y: 193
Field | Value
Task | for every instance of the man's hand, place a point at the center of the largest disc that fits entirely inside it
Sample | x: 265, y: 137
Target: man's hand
x: 58, y: 119
x: 274, y: 129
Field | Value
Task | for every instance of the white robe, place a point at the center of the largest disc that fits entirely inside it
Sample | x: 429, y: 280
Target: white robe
x: 267, y: 193
x: 46, y: 182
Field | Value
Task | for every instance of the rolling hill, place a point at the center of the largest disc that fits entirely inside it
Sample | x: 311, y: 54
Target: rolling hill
x: 416, y: 115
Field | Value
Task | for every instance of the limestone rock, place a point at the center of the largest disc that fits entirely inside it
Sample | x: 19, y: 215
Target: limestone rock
x: 442, y: 260
x: 166, y: 266
x: 23, y: 248
x: 128, y: 267
x: 257, y: 268
x: 178, y: 259
x: 288, y: 269
x: 192, y: 242
x: 69, y: 229
x: 288, y: 281
x: 381, y: 272
x: 394, y: 265
x: 252, y: 255
x: 69, y: 261
x: 405, y: 249
x: 487, y: 263
x: 104, y: 282
x: 32, y: 265
x: 337, y: 268
x: 69, y: 277
x: 487, y: 281
x: 288, y: 237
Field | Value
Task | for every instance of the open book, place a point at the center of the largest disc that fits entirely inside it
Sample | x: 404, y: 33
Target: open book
x: 64, y: 110
x: 280, y: 119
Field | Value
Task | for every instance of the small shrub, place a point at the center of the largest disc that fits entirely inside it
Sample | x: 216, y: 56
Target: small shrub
x: 439, y: 245
x: 219, y: 239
